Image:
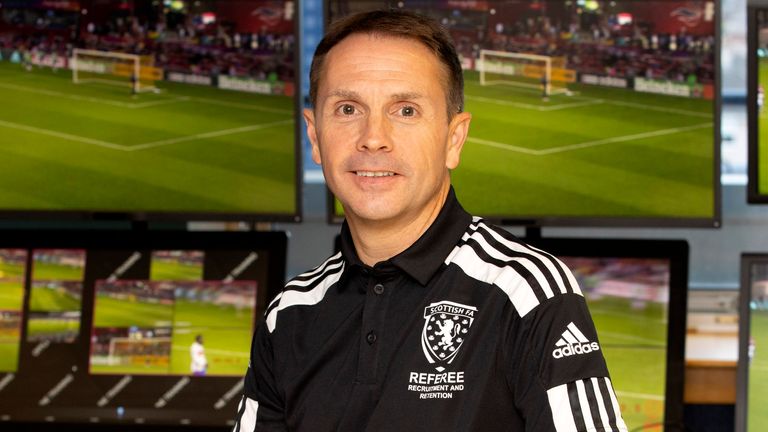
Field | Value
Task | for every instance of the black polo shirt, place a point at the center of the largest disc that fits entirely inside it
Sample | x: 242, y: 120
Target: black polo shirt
x: 469, y: 329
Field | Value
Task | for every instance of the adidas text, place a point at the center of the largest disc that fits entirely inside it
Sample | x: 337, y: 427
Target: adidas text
x: 569, y: 350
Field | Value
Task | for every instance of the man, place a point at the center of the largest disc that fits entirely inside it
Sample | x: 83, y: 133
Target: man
x: 427, y: 319
x: 199, y: 363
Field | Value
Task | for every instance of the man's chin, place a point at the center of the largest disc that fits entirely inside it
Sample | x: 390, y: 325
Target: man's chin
x: 370, y: 213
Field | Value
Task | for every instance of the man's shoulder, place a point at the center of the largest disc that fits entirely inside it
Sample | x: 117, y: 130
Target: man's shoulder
x: 307, y: 288
x: 527, y: 275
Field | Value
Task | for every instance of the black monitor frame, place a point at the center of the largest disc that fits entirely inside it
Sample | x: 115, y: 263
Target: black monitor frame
x: 676, y: 251
x: 754, y: 8
x: 742, y: 371
x: 538, y: 221
x: 274, y: 244
x: 139, y: 215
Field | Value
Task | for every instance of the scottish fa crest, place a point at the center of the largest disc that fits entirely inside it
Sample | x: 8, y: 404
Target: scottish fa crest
x: 446, y: 326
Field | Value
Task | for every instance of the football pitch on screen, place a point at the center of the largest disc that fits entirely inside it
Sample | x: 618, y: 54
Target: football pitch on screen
x: 757, y: 415
x: 186, y: 149
x: 762, y: 134
x: 634, y: 345
x: 56, y: 272
x: 162, y: 270
x: 597, y: 152
x: 226, y: 332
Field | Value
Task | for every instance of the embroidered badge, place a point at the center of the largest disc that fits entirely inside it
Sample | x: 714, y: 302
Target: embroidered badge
x: 446, y: 326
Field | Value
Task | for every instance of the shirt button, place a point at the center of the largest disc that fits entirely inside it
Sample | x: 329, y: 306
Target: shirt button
x: 370, y: 338
x: 378, y: 289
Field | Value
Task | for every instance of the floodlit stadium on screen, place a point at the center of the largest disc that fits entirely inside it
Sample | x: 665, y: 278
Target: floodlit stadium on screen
x: 147, y: 112
x: 584, y: 112
x: 13, y: 267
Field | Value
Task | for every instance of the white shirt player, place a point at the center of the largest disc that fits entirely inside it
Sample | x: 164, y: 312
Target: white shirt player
x: 199, y: 363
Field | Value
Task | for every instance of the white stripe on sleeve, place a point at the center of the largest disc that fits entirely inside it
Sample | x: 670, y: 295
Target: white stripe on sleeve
x: 560, y: 405
x: 586, y: 413
x: 248, y: 420
x: 601, y: 406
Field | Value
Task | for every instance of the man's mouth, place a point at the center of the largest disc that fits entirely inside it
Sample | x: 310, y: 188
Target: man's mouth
x: 374, y: 173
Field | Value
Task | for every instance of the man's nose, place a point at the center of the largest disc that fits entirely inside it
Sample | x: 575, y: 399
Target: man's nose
x: 377, y: 135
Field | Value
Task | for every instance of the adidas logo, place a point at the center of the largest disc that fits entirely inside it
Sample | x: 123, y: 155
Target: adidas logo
x: 573, y: 342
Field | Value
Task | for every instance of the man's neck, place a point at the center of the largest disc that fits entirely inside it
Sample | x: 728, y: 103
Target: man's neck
x: 377, y: 241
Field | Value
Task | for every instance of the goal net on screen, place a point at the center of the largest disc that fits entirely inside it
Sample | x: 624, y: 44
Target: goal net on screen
x: 114, y: 68
x: 126, y: 351
x: 543, y: 73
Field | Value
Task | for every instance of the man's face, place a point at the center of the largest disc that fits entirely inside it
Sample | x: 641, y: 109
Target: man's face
x: 380, y: 128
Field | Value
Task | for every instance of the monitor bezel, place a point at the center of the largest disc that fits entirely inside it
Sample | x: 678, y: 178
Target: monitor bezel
x: 753, y: 129
x: 332, y: 217
x: 677, y: 252
x: 742, y: 368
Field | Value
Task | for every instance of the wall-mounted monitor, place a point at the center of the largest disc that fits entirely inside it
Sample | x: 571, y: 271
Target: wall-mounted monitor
x: 636, y: 291
x: 160, y: 110
x: 752, y: 383
x: 584, y: 113
x: 757, y: 83
x: 130, y: 328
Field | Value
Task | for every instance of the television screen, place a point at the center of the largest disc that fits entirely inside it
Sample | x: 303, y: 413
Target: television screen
x: 13, y: 270
x: 752, y: 386
x: 757, y: 82
x: 584, y: 112
x: 56, y: 293
x: 636, y: 292
x: 163, y: 332
x: 150, y: 111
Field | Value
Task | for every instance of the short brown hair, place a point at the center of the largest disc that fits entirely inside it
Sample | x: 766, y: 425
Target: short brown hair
x: 395, y: 23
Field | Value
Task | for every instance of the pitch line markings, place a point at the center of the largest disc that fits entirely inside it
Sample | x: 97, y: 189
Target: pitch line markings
x: 587, y: 102
x: 93, y: 99
x: 126, y: 148
x: 208, y: 135
x: 640, y: 395
x: 571, y: 147
x: 533, y: 107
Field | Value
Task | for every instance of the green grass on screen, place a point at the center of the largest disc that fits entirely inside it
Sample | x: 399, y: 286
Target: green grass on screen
x: 51, y: 271
x: 762, y: 135
x: 634, y: 345
x: 187, y: 149
x: 166, y: 270
x: 112, y: 312
x: 52, y: 299
x: 757, y: 415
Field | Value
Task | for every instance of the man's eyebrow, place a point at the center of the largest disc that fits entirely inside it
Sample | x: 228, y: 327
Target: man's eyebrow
x: 344, y: 94
x: 350, y: 94
x: 407, y: 96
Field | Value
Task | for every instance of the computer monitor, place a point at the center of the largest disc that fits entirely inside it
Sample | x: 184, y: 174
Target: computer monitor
x: 583, y: 112
x: 636, y: 292
x: 757, y: 82
x: 752, y: 382
x: 140, y: 110
x: 131, y: 328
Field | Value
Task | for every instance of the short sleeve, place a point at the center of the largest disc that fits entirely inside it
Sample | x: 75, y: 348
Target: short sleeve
x: 261, y: 409
x: 557, y: 371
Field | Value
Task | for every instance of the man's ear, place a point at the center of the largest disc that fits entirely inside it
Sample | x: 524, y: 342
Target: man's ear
x: 309, y: 118
x: 457, y: 135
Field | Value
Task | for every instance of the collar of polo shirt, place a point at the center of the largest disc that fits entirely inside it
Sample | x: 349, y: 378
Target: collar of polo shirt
x: 423, y: 258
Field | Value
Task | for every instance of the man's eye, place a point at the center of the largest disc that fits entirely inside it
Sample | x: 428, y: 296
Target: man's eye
x: 407, y: 111
x: 347, y: 109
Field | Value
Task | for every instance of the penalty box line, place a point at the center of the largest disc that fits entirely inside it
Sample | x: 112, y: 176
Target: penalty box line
x: 595, y: 143
x: 93, y: 99
x: 587, y: 101
x: 125, y: 148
